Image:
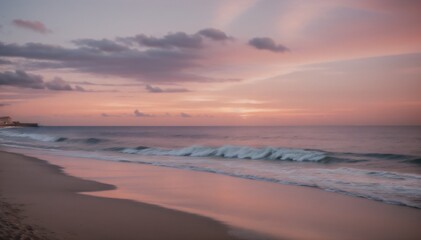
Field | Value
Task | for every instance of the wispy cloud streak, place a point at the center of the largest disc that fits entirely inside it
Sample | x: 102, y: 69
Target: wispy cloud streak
x: 152, y: 89
x: 35, y: 26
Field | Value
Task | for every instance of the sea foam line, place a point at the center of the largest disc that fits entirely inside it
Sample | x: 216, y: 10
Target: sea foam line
x: 228, y: 151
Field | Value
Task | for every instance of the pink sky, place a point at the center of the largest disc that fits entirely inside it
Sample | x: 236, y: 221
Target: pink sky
x: 336, y: 62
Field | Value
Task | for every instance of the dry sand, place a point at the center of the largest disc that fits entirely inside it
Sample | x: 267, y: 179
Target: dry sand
x: 38, y: 201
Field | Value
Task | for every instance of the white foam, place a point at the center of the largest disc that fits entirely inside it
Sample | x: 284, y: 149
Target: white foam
x: 241, y: 152
x: 33, y: 136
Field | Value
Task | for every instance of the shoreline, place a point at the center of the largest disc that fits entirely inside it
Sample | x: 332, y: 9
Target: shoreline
x: 249, y: 209
x: 50, y: 199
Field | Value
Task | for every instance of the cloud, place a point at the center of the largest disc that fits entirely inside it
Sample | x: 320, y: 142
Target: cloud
x: 5, y: 62
x: 141, y: 114
x: 58, y: 84
x: 36, y: 26
x: 21, y: 79
x: 104, y: 45
x: 4, y: 104
x: 171, y: 40
x: 112, y: 115
x: 179, y: 40
x: 185, y: 115
x: 214, y: 34
x: 107, y: 57
x: 152, y: 89
x: 266, y: 43
x: 79, y: 88
x: 144, y: 65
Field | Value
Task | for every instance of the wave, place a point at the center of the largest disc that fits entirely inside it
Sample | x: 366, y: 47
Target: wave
x: 33, y: 136
x: 93, y: 140
x: 122, y: 149
x: 386, y: 156
x: 394, y: 175
x: 228, y: 151
x: 49, y: 138
x: 415, y: 161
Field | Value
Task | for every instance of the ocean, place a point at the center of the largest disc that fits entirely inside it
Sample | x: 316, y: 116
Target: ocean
x: 377, y: 163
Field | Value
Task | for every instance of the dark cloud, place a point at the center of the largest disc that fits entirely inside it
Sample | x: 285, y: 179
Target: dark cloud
x: 180, y: 40
x: 58, y: 84
x: 137, y: 113
x: 185, y: 115
x: 22, y: 79
x: 148, y: 66
x: 36, y: 26
x: 41, y: 51
x: 104, y: 45
x: 173, y: 58
x: 105, y: 84
x: 171, y: 40
x: 214, y: 34
x: 4, y: 104
x: 266, y: 43
x: 152, y: 89
x: 5, y: 62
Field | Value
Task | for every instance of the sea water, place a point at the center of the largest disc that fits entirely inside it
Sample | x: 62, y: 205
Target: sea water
x: 378, y: 163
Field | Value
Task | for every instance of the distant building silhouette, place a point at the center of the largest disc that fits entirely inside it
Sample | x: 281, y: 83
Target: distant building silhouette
x: 5, y: 120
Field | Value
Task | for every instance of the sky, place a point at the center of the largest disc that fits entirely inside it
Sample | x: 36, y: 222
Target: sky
x: 211, y: 62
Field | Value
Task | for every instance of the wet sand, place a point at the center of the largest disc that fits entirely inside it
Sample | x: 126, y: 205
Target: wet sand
x: 39, y: 201
x: 271, y: 209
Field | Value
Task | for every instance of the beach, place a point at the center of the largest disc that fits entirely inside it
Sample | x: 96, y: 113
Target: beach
x: 49, y: 199
x: 210, y: 120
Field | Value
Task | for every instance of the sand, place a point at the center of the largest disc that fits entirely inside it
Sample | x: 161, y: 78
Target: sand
x: 271, y: 209
x: 39, y: 201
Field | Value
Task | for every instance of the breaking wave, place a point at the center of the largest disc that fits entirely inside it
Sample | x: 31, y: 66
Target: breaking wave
x: 49, y: 138
x: 228, y: 151
x: 33, y: 136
